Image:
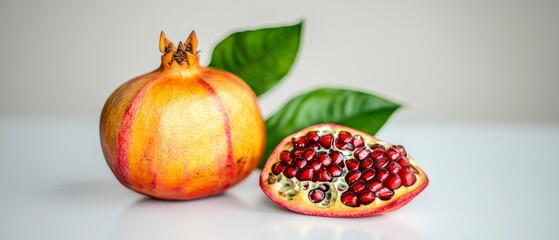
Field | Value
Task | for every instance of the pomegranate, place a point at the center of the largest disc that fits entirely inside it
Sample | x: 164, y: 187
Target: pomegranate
x: 336, y: 171
x: 182, y: 131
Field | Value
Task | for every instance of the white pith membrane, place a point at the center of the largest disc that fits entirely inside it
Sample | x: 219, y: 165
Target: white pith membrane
x: 291, y: 188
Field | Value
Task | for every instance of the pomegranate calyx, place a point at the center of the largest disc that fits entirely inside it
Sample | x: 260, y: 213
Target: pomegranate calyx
x: 182, y: 57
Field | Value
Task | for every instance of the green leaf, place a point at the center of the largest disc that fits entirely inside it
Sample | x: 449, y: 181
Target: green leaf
x: 358, y: 110
x: 260, y: 57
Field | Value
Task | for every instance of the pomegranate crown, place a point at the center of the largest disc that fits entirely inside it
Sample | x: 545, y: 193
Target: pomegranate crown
x: 185, y: 54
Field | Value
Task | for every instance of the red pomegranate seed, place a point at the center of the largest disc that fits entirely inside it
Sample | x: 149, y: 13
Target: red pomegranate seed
x: 352, y: 176
x: 305, y: 174
x: 299, y: 142
x: 344, y: 136
x: 366, y: 197
x: 382, y: 174
x: 289, y: 171
x: 278, y: 167
x: 384, y: 193
x: 408, y: 178
x: 367, y: 174
x: 351, y: 164
x: 401, y: 149
x: 377, y: 146
x: 358, y: 141
x: 312, y: 136
x: 323, y: 158
x: 337, y: 157
x: 326, y: 141
x: 324, y: 175
x: 380, y: 163
x: 403, y: 161
x: 361, y: 153
x: 344, y: 146
x: 300, y: 162
x: 335, y: 170
x: 367, y: 163
x: 349, y: 199
x: 377, y: 153
x: 295, y: 153
x: 374, y: 185
x: 309, y: 153
x: 357, y: 186
x: 392, y: 154
x: 285, y: 156
x: 316, y: 195
x: 313, y: 145
x: 394, y: 167
x: 314, y: 164
x: 393, y: 182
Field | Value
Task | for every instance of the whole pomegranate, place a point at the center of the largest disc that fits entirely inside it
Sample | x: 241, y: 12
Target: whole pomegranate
x: 336, y: 171
x: 182, y: 131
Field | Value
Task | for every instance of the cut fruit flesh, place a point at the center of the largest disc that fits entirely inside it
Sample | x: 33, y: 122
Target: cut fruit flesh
x: 364, y: 175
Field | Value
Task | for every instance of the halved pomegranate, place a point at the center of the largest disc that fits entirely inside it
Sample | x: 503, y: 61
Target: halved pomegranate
x: 336, y: 171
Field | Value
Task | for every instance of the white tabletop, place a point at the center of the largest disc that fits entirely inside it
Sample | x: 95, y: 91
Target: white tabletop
x: 487, y: 181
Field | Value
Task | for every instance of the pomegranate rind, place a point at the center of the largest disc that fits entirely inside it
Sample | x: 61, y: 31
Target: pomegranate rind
x: 301, y: 204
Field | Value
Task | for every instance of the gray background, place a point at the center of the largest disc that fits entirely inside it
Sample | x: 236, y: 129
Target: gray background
x: 444, y: 60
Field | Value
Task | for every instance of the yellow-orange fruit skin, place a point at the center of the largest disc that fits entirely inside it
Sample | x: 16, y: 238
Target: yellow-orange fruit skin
x: 182, y: 132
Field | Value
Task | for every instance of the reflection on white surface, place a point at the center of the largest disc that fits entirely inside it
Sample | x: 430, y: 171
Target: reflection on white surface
x: 224, y: 215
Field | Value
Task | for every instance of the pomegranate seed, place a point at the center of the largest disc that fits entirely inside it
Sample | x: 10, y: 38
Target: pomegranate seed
x: 384, y: 193
x: 299, y: 142
x: 316, y: 195
x: 313, y: 145
x: 357, y: 186
x: 367, y: 163
x: 358, y: 141
x: 367, y: 174
x: 324, y: 175
x: 344, y: 136
x: 323, y: 158
x: 408, y: 178
x: 344, y: 146
x: 366, y: 197
x: 278, y: 167
x: 314, y: 164
x: 374, y: 185
x: 361, y: 153
x: 403, y: 161
x: 289, y: 171
x: 393, y: 182
x: 285, y: 157
x: 392, y: 154
x: 352, y: 164
x: 352, y: 176
x: 326, y: 141
x: 336, y: 156
x: 309, y: 153
x: 394, y: 167
x: 312, y: 136
x: 335, y: 170
x: 401, y: 149
x: 300, y: 162
x: 305, y: 174
x: 295, y: 153
x: 382, y: 174
x: 380, y: 163
x: 349, y: 199
x: 377, y: 153
x: 377, y: 146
